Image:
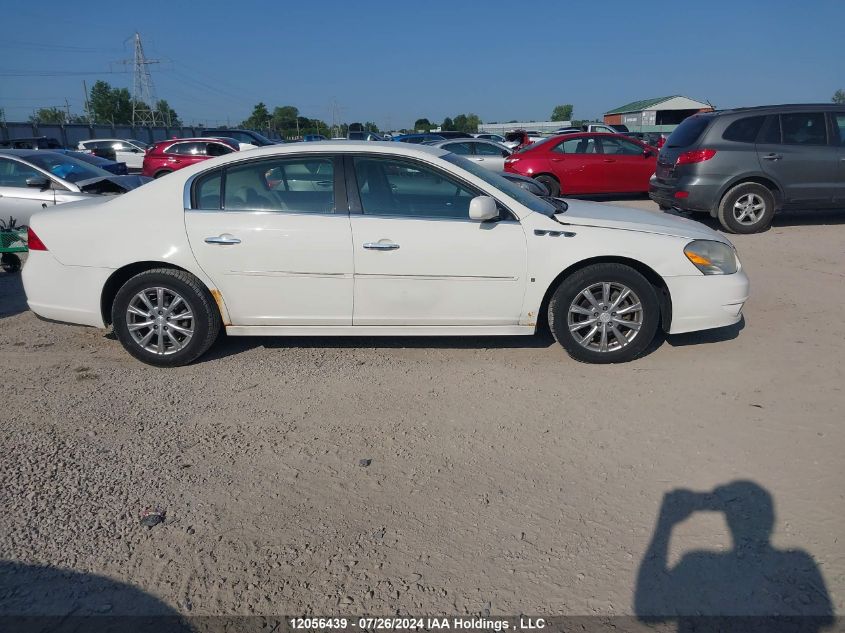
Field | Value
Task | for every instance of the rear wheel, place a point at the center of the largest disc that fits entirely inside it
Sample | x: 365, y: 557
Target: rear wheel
x: 549, y: 183
x: 11, y: 263
x: 605, y: 313
x: 664, y: 207
x: 161, y: 173
x: 746, y: 208
x: 165, y: 317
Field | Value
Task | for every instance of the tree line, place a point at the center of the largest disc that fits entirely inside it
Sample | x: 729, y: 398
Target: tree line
x: 106, y: 104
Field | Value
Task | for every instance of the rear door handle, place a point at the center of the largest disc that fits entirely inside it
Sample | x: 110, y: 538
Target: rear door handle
x: 773, y: 156
x: 381, y: 246
x: 222, y: 239
x: 609, y: 160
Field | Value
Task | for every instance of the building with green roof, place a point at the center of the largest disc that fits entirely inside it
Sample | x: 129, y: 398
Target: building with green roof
x: 660, y: 114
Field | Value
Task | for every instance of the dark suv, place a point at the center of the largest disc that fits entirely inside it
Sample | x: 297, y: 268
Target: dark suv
x: 743, y: 165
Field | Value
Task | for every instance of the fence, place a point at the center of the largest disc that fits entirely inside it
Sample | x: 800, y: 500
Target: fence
x: 71, y: 134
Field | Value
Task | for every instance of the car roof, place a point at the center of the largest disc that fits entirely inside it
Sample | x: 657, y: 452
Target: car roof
x: 779, y: 107
x: 22, y: 153
x: 369, y: 147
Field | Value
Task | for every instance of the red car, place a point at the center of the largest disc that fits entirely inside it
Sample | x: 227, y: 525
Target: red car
x: 167, y: 156
x: 587, y: 163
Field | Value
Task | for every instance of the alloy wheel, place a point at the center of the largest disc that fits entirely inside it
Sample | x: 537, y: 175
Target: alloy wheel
x: 749, y: 208
x: 160, y: 320
x: 605, y: 317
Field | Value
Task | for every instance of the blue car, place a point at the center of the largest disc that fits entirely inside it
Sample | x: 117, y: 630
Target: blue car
x: 418, y: 138
x: 103, y: 163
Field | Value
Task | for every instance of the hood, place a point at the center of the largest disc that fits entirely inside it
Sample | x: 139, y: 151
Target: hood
x: 112, y: 184
x: 583, y: 213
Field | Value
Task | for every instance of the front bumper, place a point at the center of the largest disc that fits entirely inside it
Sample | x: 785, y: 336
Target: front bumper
x: 63, y: 293
x: 703, y: 302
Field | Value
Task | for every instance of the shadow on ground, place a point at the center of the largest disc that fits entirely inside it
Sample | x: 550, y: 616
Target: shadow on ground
x: 752, y: 587
x: 42, y: 598
x: 12, y: 297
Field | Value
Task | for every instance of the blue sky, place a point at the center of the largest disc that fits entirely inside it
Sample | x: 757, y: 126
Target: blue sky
x: 392, y: 61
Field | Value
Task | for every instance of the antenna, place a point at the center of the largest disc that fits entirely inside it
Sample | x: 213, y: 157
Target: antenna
x: 143, y: 93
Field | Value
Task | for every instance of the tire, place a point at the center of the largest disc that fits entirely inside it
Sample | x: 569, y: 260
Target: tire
x: 567, y: 308
x: 175, y: 348
x: 161, y: 173
x: 748, y: 197
x: 11, y: 263
x: 664, y: 207
x: 550, y: 183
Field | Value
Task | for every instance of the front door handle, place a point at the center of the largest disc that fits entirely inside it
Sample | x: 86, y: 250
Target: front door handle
x: 381, y: 246
x: 773, y: 156
x: 222, y: 239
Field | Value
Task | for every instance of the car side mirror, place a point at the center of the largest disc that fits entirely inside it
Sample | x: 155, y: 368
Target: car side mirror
x: 41, y: 182
x: 483, y: 208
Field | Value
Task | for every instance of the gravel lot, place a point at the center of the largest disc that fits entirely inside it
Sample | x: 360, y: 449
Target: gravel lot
x: 504, y: 476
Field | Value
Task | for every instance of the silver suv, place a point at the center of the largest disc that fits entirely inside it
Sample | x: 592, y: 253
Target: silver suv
x: 743, y: 165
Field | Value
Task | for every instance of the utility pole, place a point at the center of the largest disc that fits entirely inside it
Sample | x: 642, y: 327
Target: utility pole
x: 87, y: 103
x: 67, y: 111
x: 143, y: 93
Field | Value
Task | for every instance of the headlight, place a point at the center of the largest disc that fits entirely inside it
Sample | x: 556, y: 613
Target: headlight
x: 711, y: 258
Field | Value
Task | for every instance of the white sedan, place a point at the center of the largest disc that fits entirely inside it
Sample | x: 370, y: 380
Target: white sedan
x: 369, y: 238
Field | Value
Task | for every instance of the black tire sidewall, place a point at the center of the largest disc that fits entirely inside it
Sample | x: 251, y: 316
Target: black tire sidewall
x: 571, y: 286
x: 726, y: 217
x: 192, y: 296
x: 550, y: 183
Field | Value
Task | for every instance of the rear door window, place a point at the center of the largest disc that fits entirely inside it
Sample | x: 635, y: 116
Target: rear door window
x: 744, y: 130
x: 292, y: 185
x: 578, y: 145
x: 803, y: 128
x: 218, y: 149
x: 688, y: 132
x: 191, y: 149
x: 464, y: 149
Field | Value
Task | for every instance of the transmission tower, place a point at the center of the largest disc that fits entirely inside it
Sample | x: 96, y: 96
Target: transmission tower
x: 143, y: 93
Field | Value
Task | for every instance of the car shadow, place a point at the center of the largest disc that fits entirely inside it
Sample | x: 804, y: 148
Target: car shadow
x: 233, y: 345
x: 752, y: 587
x: 45, y: 598
x: 704, y: 337
x: 810, y: 217
x: 12, y: 296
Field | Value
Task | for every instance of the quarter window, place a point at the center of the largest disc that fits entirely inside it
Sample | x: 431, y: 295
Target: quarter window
x: 292, y: 185
x: 207, y: 191
x: 744, y: 130
x: 840, y: 125
x: 218, y: 149
x: 805, y: 128
x: 401, y: 188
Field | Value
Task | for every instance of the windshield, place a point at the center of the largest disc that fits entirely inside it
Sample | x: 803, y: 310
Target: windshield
x: 508, y: 188
x: 688, y: 132
x: 67, y: 168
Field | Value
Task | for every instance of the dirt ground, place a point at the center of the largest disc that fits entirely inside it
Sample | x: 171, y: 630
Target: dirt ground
x: 504, y: 477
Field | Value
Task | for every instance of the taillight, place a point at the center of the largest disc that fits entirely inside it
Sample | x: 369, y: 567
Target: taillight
x: 34, y: 242
x: 695, y: 156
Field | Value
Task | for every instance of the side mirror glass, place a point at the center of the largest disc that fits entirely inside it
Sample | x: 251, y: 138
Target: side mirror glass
x: 482, y: 208
x: 41, y: 182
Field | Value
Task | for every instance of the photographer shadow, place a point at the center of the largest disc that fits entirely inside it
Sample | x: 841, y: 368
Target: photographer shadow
x: 752, y: 587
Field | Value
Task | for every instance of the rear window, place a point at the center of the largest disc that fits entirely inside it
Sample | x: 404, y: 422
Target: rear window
x: 744, y: 130
x: 688, y: 132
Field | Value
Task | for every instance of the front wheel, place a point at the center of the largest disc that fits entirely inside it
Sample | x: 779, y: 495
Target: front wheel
x: 165, y: 317
x: 549, y: 183
x: 605, y: 313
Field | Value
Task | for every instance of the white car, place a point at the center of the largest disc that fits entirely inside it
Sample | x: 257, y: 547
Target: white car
x: 369, y: 238
x: 488, y: 154
x: 491, y: 137
x: 129, y: 151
